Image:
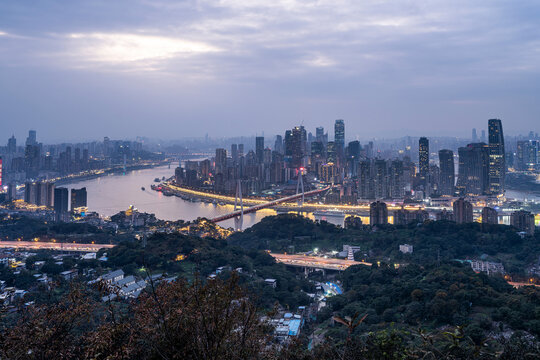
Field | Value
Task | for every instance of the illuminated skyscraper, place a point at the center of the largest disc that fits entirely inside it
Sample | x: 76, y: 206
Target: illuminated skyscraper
x: 220, y: 160
x: 447, y: 175
x: 339, y: 138
x: 78, y: 198
x: 473, y: 174
x: 423, y: 159
x: 299, y: 140
x: 497, y: 162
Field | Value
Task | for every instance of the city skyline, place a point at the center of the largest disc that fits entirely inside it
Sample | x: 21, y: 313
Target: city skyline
x: 168, y: 70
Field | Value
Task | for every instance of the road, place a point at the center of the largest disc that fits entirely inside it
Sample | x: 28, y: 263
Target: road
x: 316, y: 262
x: 38, y: 245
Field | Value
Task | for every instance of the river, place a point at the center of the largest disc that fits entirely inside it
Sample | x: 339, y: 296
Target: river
x: 107, y: 195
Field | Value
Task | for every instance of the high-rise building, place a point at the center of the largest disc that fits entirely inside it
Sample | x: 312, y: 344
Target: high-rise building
x: 405, y: 217
x: 447, y: 172
x: 221, y: 160
x: 473, y: 179
x: 339, y: 138
x: 11, y: 192
x: 278, y: 145
x: 0, y: 172
x: 31, y: 139
x: 61, y: 204
x: 299, y: 142
x: 378, y: 213
x: 423, y: 160
x: 489, y: 216
x: 234, y: 152
x: 319, y: 134
x: 463, y: 211
x: 259, y: 149
x: 474, y: 136
x: 497, y: 163
x: 240, y: 150
x: 528, y: 154
x: 523, y: 221
x: 78, y: 198
x: 12, y: 145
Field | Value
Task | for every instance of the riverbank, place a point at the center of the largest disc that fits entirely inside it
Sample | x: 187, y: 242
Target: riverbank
x: 105, y: 172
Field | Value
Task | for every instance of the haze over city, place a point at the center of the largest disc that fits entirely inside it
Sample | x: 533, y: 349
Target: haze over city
x: 166, y: 69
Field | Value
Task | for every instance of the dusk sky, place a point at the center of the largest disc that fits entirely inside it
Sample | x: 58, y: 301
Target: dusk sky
x: 79, y: 70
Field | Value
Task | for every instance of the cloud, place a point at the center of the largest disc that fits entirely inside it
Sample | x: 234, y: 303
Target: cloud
x: 117, y: 48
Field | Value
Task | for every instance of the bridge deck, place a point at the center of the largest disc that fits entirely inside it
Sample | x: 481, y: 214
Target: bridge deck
x: 38, y: 245
x: 267, y: 205
x: 316, y: 262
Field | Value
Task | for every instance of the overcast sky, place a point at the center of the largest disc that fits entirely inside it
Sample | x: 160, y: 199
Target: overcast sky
x: 77, y: 70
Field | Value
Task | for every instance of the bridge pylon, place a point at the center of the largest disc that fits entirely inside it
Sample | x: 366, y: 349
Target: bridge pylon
x: 238, y: 203
x: 300, y: 187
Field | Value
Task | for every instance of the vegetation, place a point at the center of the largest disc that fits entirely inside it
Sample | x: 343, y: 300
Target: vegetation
x: 433, y: 297
x: 432, y: 240
x: 215, y: 320
x: 185, y: 255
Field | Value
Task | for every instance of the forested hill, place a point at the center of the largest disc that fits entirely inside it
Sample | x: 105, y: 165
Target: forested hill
x: 444, y: 240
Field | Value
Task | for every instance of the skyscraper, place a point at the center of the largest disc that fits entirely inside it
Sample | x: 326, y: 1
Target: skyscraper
x: 339, y: 138
x: 463, y: 211
x: 12, y: 145
x: 423, y: 159
x: 447, y: 177
x: 474, y: 136
x: 278, y: 145
x: 221, y: 160
x: 299, y: 139
x: 31, y: 139
x: 61, y: 203
x: 234, y: 152
x: 473, y: 174
x: 78, y: 198
x: 259, y: 149
x: 497, y: 161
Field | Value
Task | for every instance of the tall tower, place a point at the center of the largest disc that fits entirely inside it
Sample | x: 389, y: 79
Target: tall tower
x: 473, y: 173
x: 497, y: 162
x: 259, y: 149
x: 423, y: 159
x: 446, y: 164
x: 339, y: 138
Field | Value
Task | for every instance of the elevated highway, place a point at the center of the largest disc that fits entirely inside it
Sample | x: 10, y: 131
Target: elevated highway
x: 316, y: 262
x: 38, y: 245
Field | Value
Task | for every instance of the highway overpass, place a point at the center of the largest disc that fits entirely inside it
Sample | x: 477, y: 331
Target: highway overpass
x: 316, y: 262
x: 39, y: 245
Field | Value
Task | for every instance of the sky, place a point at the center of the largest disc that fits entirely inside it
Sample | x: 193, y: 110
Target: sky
x: 81, y: 70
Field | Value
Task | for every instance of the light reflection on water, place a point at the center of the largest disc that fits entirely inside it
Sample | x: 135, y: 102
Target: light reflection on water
x: 110, y: 194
